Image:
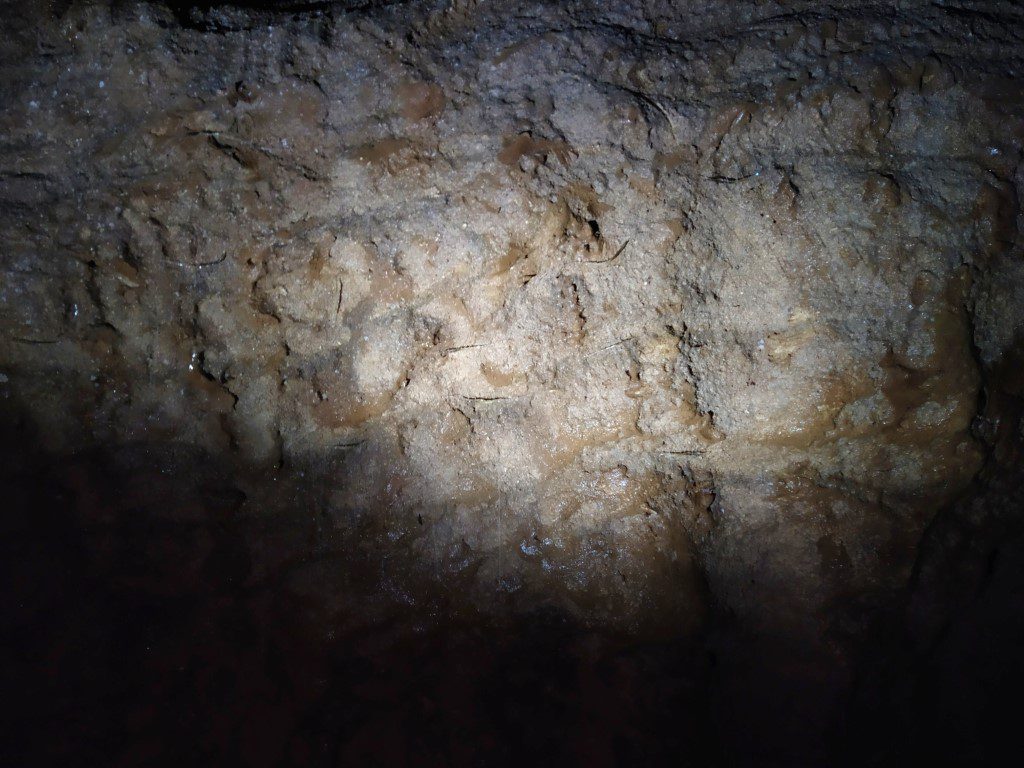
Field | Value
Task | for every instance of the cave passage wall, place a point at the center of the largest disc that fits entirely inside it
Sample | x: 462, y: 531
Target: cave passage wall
x: 672, y: 351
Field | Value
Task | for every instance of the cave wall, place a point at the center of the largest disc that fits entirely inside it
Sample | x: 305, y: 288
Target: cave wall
x: 699, y: 323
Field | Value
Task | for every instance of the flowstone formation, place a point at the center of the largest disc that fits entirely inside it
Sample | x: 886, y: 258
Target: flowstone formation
x: 695, y: 325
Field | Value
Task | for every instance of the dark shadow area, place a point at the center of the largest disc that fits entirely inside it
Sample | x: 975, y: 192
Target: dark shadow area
x: 156, y: 618
x: 139, y: 623
x: 210, y: 15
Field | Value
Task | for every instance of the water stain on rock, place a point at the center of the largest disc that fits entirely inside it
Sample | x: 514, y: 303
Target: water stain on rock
x: 525, y: 145
x: 420, y: 100
x: 392, y: 155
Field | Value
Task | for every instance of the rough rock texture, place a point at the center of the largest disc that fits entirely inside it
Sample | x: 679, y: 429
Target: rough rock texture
x: 681, y: 340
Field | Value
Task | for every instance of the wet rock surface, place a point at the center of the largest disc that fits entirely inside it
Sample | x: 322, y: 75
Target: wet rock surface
x: 465, y: 384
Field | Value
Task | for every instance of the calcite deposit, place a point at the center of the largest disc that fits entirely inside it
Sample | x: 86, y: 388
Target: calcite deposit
x: 475, y: 383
